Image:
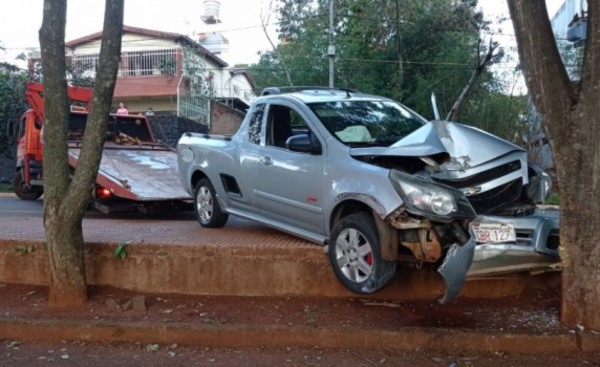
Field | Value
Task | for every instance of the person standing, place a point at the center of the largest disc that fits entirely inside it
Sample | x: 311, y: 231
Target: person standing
x: 122, y: 110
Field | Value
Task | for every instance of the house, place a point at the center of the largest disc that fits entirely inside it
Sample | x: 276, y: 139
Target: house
x: 173, y: 78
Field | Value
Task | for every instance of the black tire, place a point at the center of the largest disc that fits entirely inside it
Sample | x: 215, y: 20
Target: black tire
x: 23, y: 192
x: 206, y: 206
x: 355, y: 255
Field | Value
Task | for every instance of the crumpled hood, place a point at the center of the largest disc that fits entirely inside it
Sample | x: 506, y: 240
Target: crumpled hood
x: 466, y: 145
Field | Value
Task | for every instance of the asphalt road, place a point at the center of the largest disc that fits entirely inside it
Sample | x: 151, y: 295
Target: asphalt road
x: 11, y: 206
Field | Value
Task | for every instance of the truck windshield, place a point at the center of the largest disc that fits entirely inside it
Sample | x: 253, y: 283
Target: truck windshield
x: 367, y: 123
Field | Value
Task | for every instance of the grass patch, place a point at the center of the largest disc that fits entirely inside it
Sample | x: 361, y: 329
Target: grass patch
x: 5, y: 187
x: 552, y: 199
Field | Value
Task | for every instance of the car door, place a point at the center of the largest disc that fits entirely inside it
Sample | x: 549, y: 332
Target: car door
x: 289, y: 184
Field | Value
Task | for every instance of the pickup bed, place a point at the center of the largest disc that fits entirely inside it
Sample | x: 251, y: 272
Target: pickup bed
x: 375, y: 183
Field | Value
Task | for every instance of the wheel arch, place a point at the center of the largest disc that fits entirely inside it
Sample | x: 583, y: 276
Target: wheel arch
x: 388, y: 235
x: 196, y: 177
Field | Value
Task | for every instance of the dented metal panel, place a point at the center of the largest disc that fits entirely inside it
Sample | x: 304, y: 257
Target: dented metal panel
x: 139, y: 174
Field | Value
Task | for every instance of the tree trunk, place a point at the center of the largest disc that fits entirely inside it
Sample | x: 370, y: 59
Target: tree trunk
x: 67, y: 263
x: 571, y: 115
x: 65, y: 199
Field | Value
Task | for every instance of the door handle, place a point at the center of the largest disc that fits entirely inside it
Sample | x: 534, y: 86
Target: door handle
x: 266, y: 160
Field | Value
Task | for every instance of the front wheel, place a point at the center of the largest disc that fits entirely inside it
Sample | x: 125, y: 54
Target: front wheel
x: 22, y: 191
x: 355, y: 255
x: 207, y: 208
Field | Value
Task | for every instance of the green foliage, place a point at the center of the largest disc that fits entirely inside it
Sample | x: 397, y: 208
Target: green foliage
x: 553, y: 199
x: 24, y: 250
x: 120, y: 252
x: 194, y: 66
x: 12, y: 105
x: 78, y: 75
x: 403, y: 49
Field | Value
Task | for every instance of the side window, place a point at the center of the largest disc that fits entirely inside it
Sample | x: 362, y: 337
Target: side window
x: 284, y: 122
x: 255, y: 125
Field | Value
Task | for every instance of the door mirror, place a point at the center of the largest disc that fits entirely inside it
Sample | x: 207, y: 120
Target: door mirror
x: 303, y: 143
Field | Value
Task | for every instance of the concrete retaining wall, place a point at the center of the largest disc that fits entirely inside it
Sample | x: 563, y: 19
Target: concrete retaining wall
x: 239, y: 271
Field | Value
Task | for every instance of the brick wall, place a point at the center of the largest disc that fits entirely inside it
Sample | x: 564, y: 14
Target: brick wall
x: 225, y: 120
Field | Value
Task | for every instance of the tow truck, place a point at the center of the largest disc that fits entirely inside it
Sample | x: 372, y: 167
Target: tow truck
x: 136, y: 173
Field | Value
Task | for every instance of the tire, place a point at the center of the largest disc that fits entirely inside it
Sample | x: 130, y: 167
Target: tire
x: 355, y: 255
x: 206, y: 206
x: 23, y: 192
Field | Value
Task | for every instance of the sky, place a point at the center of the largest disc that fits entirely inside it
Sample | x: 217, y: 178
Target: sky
x: 241, y: 22
x: 21, y: 20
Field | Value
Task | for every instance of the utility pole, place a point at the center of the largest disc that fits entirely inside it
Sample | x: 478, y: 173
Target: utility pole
x: 331, y: 47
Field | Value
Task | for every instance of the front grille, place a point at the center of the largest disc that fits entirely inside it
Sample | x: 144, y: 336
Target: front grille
x: 525, y: 238
x: 485, y: 176
x: 497, y: 198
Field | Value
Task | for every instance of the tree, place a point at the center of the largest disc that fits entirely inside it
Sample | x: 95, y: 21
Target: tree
x: 406, y: 50
x: 12, y: 104
x: 67, y: 193
x: 571, y: 116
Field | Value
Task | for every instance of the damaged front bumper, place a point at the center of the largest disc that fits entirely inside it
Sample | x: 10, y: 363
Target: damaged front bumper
x: 454, y: 268
x: 491, y: 259
x: 535, y: 248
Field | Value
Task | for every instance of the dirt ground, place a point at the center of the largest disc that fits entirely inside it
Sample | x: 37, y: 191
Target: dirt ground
x: 538, y: 313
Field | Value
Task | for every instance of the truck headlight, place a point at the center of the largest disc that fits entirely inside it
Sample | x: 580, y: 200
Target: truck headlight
x: 431, y: 200
x: 442, y: 203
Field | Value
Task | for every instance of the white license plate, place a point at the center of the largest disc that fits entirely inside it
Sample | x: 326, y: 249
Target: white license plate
x: 494, y: 232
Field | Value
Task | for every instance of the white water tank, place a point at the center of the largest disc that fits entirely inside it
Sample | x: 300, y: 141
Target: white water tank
x: 211, y: 11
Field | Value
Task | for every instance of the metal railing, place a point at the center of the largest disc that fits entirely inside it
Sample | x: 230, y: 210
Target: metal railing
x: 133, y: 63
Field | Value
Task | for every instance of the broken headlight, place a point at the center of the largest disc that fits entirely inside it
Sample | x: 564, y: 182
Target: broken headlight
x: 431, y: 200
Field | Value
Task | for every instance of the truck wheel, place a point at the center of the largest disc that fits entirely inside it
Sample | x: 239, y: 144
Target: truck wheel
x: 206, y: 206
x: 355, y: 255
x: 23, y: 192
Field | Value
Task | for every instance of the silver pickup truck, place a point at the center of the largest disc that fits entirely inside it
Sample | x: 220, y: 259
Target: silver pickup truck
x: 377, y: 185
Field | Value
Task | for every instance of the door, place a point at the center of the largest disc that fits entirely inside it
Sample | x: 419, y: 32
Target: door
x: 289, y: 184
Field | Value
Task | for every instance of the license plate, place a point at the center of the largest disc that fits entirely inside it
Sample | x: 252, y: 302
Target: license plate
x: 494, y: 232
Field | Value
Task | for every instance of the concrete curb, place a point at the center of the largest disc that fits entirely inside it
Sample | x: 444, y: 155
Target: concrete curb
x: 231, y: 269
x: 241, y: 335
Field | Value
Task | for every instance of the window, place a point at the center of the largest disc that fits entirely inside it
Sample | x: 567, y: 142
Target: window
x: 284, y: 122
x: 254, y: 128
x: 360, y: 123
